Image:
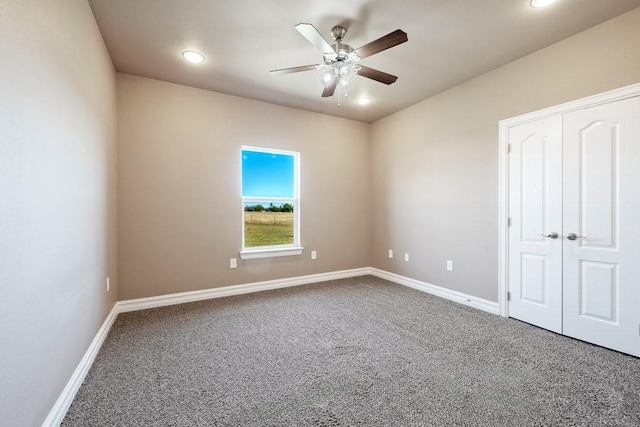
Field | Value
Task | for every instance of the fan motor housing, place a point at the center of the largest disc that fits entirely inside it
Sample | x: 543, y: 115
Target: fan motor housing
x: 344, y: 53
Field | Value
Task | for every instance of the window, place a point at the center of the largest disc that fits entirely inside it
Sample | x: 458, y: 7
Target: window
x: 270, y: 209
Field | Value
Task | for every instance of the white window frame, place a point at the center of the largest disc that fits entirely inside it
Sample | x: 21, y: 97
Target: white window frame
x: 278, y: 250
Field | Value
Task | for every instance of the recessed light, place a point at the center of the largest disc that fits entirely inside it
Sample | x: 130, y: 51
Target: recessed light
x: 541, y: 3
x: 192, y: 56
x: 363, y: 100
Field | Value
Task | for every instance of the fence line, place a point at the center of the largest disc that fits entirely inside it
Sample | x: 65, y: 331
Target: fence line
x: 273, y: 218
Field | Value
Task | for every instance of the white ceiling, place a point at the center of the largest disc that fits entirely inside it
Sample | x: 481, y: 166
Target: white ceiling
x: 450, y: 41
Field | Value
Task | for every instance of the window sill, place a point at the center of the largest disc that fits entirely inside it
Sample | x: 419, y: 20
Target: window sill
x: 270, y: 253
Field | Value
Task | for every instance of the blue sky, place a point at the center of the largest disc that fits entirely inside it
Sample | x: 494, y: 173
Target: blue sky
x: 267, y: 174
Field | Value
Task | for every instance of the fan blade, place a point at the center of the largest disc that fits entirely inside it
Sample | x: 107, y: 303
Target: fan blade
x: 390, y: 40
x: 330, y: 90
x: 297, y: 69
x: 377, y: 75
x: 310, y: 33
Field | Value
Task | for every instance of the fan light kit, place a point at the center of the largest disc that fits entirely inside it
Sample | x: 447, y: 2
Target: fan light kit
x: 341, y: 60
x: 192, y: 56
x: 541, y: 3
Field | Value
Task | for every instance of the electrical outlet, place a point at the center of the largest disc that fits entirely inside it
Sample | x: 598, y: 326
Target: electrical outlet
x: 390, y: 253
x: 314, y: 255
x: 233, y: 263
x: 406, y: 257
x: 108, y: 284
x: 449, y: 265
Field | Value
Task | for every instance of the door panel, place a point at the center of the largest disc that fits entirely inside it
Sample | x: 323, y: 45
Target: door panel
x: 534, y: 279
x: 601, y: 192
x: 535, y: 209
x: 599, y: 171
x: 599, y: 291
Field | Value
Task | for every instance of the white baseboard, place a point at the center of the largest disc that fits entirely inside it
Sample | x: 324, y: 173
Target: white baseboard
x: 459, y: 297
x: 191, y: 296
x: 60, y: 408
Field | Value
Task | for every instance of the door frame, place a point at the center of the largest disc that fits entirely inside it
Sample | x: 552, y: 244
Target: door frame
x: 503, y: 172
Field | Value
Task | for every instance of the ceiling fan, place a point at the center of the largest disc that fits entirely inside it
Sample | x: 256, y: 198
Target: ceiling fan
x: 341, y: 60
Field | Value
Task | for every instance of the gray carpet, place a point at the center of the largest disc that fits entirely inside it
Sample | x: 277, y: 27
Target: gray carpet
x: 360, y: 351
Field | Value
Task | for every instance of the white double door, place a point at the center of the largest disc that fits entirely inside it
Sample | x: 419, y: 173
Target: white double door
x: 574, y: 209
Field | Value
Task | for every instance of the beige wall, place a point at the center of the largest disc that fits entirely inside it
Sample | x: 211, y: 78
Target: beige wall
x: 435, y: 164
x: 180, y: 211
x: 57, y: 199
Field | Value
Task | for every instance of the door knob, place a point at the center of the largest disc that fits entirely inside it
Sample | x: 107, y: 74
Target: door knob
x: 574, y: 236
x: 552, y: 235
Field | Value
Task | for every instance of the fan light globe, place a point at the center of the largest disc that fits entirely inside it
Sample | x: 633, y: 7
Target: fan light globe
x: 346, y: 73
x: 327, y: 77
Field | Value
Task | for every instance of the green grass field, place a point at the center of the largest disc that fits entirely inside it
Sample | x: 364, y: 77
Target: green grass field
x: 268, y: 229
